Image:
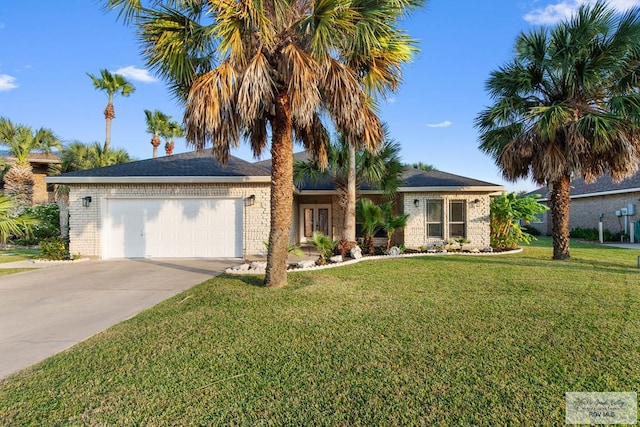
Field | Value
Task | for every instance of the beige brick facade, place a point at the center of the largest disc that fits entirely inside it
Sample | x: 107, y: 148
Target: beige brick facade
x: 85, y: 228
x: 477, y: 218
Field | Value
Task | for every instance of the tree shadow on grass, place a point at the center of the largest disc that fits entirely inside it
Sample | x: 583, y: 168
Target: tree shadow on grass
x: 249, y: 279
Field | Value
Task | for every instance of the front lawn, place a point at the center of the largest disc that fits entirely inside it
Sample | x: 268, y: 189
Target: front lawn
x: 449, y: 340
x: 17, y: 254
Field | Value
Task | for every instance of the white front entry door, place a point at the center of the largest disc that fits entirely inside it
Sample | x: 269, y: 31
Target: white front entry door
x: 314, y: 218
x: 171, y: 228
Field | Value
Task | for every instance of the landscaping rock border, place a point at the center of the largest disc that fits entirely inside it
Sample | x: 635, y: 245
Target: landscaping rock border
x: 249, y: 268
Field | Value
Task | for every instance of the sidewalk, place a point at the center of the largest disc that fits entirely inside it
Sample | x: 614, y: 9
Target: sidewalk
x: 623, y: 245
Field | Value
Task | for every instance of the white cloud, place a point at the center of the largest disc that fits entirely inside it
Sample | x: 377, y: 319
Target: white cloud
x: 1, y: 25
x: 391, y: 100
x: 137, y: 74
x: 556, y: 12
x: 7, y: 82
x: 444, y: 124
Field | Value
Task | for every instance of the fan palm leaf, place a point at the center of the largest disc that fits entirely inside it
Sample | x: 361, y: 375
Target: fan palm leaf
x: 567, y: 106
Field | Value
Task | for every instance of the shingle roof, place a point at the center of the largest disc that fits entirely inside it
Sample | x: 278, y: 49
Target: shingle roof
x: 411, y: 178
x: 34, y: 157
x: 435, y: 178
x: 603, y: 184
x: 193, y: 164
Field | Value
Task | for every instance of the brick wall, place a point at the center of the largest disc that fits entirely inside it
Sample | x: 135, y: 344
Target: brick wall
x: 477, y: 218
x: 85, y: 222
x: 585, y: 211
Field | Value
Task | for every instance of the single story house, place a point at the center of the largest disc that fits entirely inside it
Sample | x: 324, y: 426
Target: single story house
x: 190, y: 205
x: 613, y: 203
x: 41, y: 164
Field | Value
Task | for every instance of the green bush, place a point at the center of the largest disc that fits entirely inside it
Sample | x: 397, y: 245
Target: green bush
x: 592, y: 234
x: 507, y: 211
x: 54, y: 248
x: 48, y: 226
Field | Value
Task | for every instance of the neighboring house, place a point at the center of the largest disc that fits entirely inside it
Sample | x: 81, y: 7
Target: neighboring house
x: 591, y: 201
x: 42, y: 192
x: 189, y: 205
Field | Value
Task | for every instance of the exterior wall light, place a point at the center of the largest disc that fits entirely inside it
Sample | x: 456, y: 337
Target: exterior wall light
x: 476, y: 201
x: 416, y: 202
x: 251, y: 200
x: 85, y: 201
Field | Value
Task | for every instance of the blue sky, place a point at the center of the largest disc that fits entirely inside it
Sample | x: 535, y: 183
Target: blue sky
x: 48, y: 47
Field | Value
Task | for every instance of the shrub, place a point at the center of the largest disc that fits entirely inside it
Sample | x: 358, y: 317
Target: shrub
x: 592, y: 234
x: 54, y: 248
x: 48, y: 217
x: 324, y: 245
x: 506, y: 213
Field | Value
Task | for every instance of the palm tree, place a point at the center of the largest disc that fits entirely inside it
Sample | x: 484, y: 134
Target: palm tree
x: 22, y: 141
x: 381, y: 169
x: 422, y: 166
x: 392, y: 222
x: 79, y: 156
x: 277, y: 65
x: 157, y: 122
x: 170, y: 132
x: 112, y: 84
x: 371, y: 218
x: 567, y: 106
x: 11, y: 225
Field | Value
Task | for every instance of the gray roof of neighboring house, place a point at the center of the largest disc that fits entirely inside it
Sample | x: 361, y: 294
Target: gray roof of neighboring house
x: 604, y: 184
x: 34, y: 157
x: 185, y: 165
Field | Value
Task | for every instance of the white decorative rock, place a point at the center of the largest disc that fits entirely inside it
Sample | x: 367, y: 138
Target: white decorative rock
x: 335, y: 259
x: 488, y: 249
x: 356, y: 252
x: 393, y: 251
x: 258, y: 265
x: 306, y: 264
x: 475, y: 251
x: 242, y: 267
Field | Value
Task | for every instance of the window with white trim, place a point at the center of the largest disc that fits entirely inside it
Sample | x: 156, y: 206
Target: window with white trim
x: 434, y: 218
x: 457, y: 219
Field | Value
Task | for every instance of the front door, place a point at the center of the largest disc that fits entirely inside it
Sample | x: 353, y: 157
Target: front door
x: 314, y: 218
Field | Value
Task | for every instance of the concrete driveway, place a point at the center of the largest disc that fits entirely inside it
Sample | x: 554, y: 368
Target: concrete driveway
x: 45, y: 311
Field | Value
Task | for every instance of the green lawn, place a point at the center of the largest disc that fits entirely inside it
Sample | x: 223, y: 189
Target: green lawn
x: 18, y: 254
x: 419, y: 341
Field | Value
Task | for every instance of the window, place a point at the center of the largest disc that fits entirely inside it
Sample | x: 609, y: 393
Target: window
x: 457, y: 219
x: 434, y: 219
x: 539, y: 218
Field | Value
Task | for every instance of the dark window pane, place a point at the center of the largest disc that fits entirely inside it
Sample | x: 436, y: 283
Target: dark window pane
x: 456, y: 211
x: 434, y: 231
x: 308, y: 222
x: 323, y: 221
x: 456, y: 230
x: 434, y: 210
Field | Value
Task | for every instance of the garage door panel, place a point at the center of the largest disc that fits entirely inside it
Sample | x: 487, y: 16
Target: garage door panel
x: 172, y: 228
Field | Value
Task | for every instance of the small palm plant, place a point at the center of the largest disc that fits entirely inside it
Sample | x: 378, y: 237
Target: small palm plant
x: 392, y: 222
x: 370, y: 216
x: 324, y: 245
x: 19, y: 226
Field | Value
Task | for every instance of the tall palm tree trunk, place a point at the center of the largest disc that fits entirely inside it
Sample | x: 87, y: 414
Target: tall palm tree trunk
x: 155, y: 142
x: 281, y: 192
x: 109, y: 114
x: 349, y: 231
x: 560, y: 203
x: 18, y: 183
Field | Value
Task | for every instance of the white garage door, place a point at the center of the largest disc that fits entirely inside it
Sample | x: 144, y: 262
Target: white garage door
x: 172, y: 228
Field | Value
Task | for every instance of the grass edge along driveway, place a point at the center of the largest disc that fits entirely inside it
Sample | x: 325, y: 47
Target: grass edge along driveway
x: 430, y: 340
